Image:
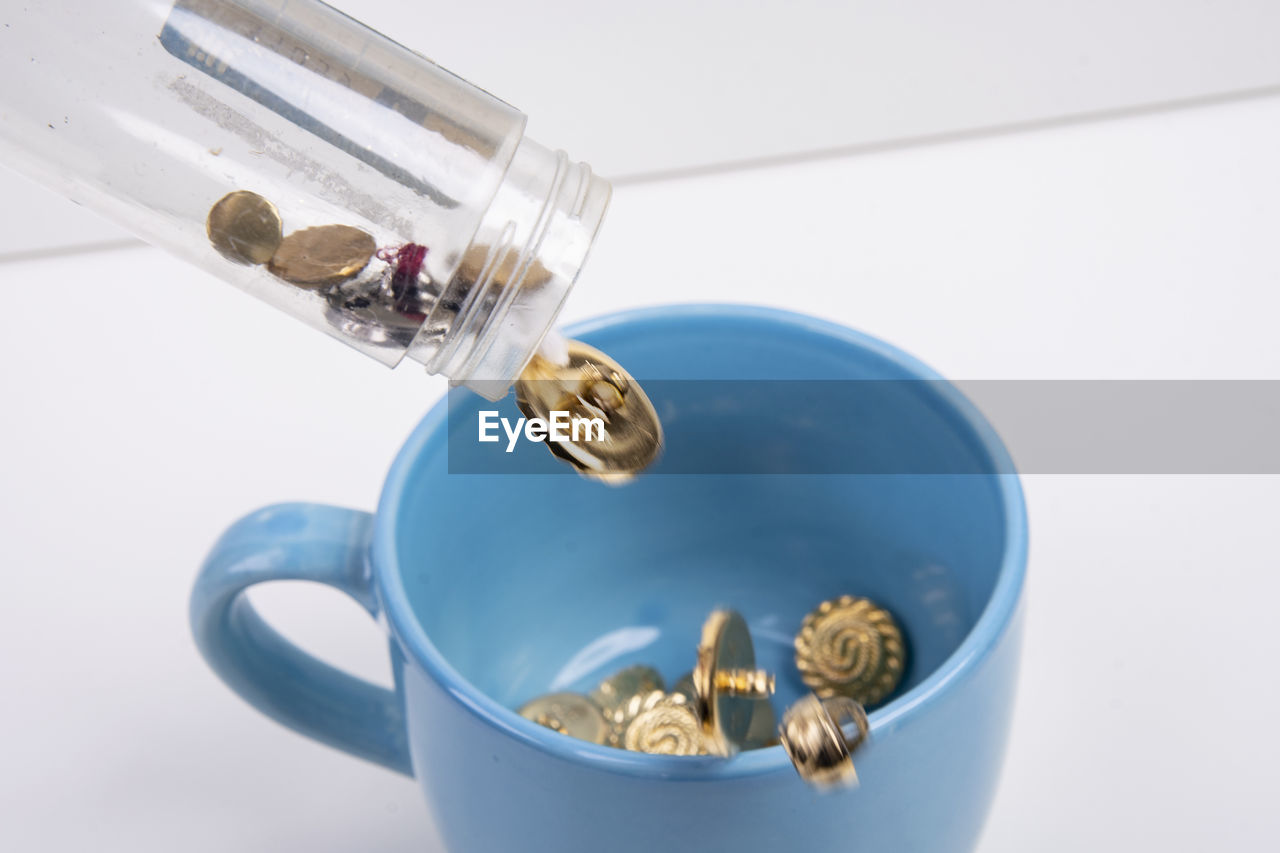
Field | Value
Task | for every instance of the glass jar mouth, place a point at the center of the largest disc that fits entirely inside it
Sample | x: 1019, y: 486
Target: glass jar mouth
x: 990, y: 625
x: 510, y: 284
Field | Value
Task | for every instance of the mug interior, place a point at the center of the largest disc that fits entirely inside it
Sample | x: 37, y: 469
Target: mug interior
x: 527, y: 583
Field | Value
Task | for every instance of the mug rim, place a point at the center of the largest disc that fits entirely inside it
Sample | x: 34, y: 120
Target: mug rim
x: 977, y: 644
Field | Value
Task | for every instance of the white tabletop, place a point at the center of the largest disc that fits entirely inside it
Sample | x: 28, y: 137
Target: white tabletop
x: 147, y: 405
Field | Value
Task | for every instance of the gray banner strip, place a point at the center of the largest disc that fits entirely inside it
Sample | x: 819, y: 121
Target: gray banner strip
x: 910, y: 427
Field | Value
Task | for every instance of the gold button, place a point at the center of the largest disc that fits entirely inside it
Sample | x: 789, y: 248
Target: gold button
x: 763, y: 729
x: 813, y: 736
x: 570, y: 714
x: 623, y: 715
x: 244, y: 227
x: 324, y: 255
x: 616, y: 691
x: 850, y: 647
x: 625, y: 694
x: 670, y: 727
x: 619, y: 433
x: 726, y: 682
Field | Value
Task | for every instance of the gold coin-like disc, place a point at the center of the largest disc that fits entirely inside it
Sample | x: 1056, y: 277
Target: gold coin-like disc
x: 725, y: 647
x: 244, y: 227
x: 763, y: 730
x: 616, y: 693
x: 326, y: 254
x: 570, y: 714
x: 670, y: 727
x: 614, y: 431
x: 850, y: 647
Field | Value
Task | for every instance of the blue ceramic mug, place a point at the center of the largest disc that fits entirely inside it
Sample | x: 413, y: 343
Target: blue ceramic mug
x: 495, y: 588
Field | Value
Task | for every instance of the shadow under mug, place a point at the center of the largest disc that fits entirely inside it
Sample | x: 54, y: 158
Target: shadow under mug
x: 496, y: 588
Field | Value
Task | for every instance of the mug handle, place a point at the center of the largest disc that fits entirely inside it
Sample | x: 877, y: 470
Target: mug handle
x: 308, y: 542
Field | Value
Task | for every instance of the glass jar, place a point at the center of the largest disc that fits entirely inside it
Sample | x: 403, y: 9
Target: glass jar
x: 152, y: 112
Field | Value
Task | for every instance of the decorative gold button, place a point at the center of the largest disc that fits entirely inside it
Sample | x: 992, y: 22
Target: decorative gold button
x: 619, y: 689
x: 813, y: 736
x: 726, y: 682
x: 617, y: 433
x: 324, y: 255
x: 570, y: 714
x: 623, y: 714
x: 670, y: 727
x: 244, y: 227
x: 850, y: 647
x: 763, y: 730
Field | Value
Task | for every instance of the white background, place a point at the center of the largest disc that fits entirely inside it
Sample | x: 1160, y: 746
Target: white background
x: 640, y: 90
x: 144, y: 406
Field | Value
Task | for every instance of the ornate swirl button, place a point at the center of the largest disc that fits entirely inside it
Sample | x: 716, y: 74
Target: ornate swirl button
x: 850, y: 647
x: 670, y: 727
